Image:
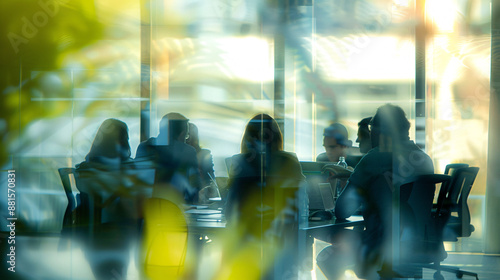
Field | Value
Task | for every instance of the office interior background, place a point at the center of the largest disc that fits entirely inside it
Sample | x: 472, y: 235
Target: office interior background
x: 66, y: 66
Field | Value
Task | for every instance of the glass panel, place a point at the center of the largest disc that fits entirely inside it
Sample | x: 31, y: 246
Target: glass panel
x: 78, y: 68
x: 351, y: 58
x: 458, y: 81
x: 212, y: 63
x: 69, y: 65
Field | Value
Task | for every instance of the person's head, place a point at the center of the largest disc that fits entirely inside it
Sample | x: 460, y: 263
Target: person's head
x: 173, y: 126
x: 111, y: 141
x: 262, y: 133
x: 363, y: 139
x: 389, y: 123
x: 193, y: 139
x: 335, y: 141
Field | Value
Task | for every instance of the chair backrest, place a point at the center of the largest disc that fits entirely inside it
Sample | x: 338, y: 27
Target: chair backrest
x: 452, y: 167
x: 76, y: 213
x: 114, y: 195
x: 443, y: 191
x: 65, y: 174
x: 420, y: 239
x: 456, y: 200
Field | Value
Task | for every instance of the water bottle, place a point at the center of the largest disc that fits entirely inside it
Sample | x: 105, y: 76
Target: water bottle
x: 338, y: 186
x: 342, y: 162
x: 303, y: 205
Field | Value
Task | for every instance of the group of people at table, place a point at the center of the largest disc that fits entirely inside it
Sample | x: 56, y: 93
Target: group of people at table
x: 263, y: 185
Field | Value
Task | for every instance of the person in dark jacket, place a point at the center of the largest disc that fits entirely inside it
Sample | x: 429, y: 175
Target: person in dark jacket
x: 393, y: 159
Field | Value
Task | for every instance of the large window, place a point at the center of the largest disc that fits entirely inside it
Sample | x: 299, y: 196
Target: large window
x: 307, y: 63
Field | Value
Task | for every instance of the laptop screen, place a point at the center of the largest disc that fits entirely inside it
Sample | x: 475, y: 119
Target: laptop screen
x: 327, y: 196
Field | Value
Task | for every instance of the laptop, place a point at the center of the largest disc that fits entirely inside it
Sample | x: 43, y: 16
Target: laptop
x: 314, y: 177
x: 327, y: 197
x: 328, y: 201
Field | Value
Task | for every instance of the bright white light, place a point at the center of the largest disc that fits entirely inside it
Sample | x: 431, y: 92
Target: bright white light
x: 442, y: 12
x: 247, y: 58
x: 404, y: 3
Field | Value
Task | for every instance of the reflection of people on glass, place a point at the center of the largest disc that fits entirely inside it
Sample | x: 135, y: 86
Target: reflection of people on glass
x: 175, y: 161
x: 102, y: 182
x: 263, y: 185
x: 393, y: 159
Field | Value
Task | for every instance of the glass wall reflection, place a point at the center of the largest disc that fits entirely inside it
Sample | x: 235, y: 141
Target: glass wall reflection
x: 71, y: 65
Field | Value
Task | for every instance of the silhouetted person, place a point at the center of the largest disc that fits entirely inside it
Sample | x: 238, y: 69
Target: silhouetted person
x: 175, y: 161
x: 393, y: 159
x: 262, y: 200
x: 363, y: 139
x: 104, y: 188
x: 205, y: 159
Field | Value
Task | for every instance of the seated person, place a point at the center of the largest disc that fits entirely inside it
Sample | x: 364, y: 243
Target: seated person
x: 336, y: 143
x: 205, y: 159
x: 352, y: 160
x: 262, y: 200
x: 175, y: 161
x: 109, y: 239
x: 205, y: 167
x: 369, y: 188
x: 262, y: 165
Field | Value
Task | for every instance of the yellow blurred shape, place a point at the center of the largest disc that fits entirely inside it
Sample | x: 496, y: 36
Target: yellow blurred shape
x: 244, y: 264
x: 165, y: 239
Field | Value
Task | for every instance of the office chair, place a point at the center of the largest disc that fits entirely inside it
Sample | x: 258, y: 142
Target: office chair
x: 76, y: 213
x: 452, y: 167
x: 422, y: 234
x: 454, y: 217
x: 420, y: 244
x: 460, y: 188
x: 164, y: 244
x: 443, y: 191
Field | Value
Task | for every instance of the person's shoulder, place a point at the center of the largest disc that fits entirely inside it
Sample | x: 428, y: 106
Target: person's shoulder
x: 83, y: 165
x: 98, y: 163
x: 322, y: 157
x: 286, y: 154
x: 150, y: 141
x: 374, y: 158
x: 204, y: 152
x: 420, y: 158
x: 372, y: 154
x: 353, y: 160
x: 144, y: 146
x: 289, y: 163
x: 239, y: 157
x: 186, y: 148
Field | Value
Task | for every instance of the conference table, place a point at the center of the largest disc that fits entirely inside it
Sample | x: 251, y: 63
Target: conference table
x: 211, y: 225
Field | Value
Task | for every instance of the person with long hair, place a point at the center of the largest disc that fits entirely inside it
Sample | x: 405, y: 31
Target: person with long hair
x: 262, y: 202
x: 111, y: 144
x: 204, y: 156
x: 114, y: 211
